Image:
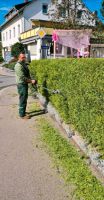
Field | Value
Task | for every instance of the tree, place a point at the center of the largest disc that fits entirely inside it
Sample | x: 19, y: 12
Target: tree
x: 102, y: 8
x: 64, y: 11
x: 71, y: 13
x: 16, y: 49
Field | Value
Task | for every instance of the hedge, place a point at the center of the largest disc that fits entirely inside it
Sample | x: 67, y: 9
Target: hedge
x: 81, y: 81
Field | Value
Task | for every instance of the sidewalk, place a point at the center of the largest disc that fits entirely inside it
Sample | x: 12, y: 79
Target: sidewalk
x: 5, y: 71
x: 25, y: 170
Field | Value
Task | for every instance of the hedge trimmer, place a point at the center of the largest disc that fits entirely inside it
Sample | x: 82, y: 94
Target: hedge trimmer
x: 57, y: 91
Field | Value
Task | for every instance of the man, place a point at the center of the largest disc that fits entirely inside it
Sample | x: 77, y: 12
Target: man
x: 23, y: 79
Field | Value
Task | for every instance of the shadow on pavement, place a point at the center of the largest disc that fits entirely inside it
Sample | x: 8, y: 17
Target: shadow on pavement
x: 36, y: 113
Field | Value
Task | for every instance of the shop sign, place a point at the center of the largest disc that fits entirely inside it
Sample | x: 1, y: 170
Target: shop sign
x: 44, y: 47
x: 41, y: 33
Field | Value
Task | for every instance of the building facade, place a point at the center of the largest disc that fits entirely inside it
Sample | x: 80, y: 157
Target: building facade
x: 19, y: 20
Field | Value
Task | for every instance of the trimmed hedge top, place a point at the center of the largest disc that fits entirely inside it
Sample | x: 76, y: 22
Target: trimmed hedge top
x: 81, y: 81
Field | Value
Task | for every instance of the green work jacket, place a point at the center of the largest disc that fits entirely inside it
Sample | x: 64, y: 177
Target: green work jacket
x: 22, y: 73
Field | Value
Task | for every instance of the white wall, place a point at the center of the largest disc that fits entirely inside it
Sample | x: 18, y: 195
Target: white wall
x: 31, y: 11
x: 7, y: 42
x: 34, y: 50
x: 34, y: 11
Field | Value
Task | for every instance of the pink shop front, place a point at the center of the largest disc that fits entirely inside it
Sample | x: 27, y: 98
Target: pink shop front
x: 71, y: 43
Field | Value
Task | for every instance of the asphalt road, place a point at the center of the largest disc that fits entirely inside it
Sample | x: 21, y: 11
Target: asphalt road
x: 6, y: 81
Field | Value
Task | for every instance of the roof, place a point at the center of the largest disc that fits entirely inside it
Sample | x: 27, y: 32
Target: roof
x: 18, y: 7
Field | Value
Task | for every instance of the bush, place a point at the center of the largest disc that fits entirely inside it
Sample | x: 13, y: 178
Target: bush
x: 1, y: 59
x: 10, y: 65
x: 81, y: 81
x: 13, y: 60
x: 16, y: 49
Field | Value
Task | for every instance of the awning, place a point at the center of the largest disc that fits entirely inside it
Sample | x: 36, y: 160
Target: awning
x: 73, y: 38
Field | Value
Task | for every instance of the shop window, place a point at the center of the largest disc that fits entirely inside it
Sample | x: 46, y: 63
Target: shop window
x: 51, y: 48
x: 58, y: 48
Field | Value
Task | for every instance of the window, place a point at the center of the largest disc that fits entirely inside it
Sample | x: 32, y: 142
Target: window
x: 58, y: 48
x: 18, y: 29
x: 14, y: 32
x: 44, y: 8
x: 62, y: 12
x: 9, y: 34
x: 3, y: 36
x: 6, y: 35
x: 79, y: 14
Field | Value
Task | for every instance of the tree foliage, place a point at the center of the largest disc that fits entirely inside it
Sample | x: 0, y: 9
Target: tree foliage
x: 71, y: 12
x: 102, y: 8
x: 65, y: 11
x: 16, y: 49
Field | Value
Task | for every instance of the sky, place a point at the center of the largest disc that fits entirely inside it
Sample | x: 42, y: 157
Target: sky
x: 5, y: 5
x: 94, y: 5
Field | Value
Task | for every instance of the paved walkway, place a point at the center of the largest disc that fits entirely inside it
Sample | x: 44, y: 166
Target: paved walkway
x: 6, y: 81
x: 7, y: 77
x: 25, y: 171
x: 6, y: 71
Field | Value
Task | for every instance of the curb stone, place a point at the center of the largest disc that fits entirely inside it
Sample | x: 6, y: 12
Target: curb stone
x: 91, y: 153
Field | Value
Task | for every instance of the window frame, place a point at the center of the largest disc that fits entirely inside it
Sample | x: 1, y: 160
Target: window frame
x: 3, y: 37
x: 44, y: 4
x: 19, y: 30
x: 6, y: 35
x: 14, y: 32
x: 10, y: 36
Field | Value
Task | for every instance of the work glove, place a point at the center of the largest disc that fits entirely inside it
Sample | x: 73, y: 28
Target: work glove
x: 34, y: 82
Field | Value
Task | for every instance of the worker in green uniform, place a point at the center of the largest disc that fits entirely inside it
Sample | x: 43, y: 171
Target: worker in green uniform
x: 23, y: 79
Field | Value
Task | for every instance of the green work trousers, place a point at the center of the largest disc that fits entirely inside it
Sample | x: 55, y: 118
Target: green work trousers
x: 23, y: 96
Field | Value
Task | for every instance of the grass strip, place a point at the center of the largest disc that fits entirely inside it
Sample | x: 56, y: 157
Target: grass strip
x: 67, y: 157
